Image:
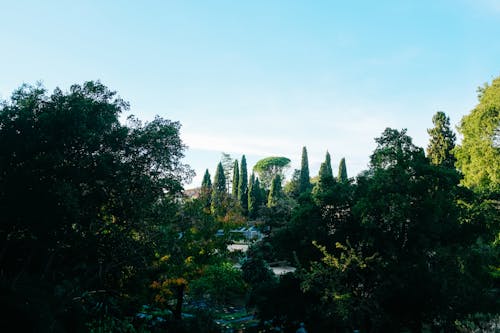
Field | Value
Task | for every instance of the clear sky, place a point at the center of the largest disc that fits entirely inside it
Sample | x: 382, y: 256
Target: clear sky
x: 266, y: 77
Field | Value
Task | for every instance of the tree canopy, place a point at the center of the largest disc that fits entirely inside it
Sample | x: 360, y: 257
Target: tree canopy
x: 82, y: 196
x: 267, y: 168
x: 478, y: 156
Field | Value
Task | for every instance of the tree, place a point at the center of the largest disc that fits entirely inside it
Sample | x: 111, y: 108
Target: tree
x: 304, y: 181
x: 394, y: 148
x: 408, y: 215
x: 189, y: 248
x: 323, y: 190
x: 220, y: 282
x: 219, y: 192
x: 441, y: 142
x: 206, y: 189
x: 275, y: 193
x: 267, y: 168
x: 328, y: 164
x: 82, y: 199
x: 227, y: 166
x: 255, y: 200
x: 236, y: 179
x: 478, y: 156
x: 243, y: 191
x: 342, y: 176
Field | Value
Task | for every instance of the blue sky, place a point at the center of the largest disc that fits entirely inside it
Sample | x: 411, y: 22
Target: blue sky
x: 264, y: 78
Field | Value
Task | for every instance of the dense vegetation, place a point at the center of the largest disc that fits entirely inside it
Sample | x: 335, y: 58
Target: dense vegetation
x: 96, y: 234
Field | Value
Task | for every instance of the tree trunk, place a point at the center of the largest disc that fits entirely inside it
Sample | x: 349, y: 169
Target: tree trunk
x: 177, y: 313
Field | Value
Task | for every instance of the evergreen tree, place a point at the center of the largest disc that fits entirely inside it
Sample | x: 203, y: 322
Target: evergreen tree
x: 304, y: 182
x: 206, y: 189
x: 236, y: 179
x: 328, y: 164
x: 260, y: 193
x: 243, y: 186
x: 251, y: 196
x: 342, y: 176
x: 441, y: 141
x: 275, y: 193
x: 323, y: 190
x: 219, y: 192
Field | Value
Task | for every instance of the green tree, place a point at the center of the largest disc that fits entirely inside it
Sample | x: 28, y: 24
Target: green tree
x: 267, y: 168
x: 255, y: 196
x: 236, y: 179
x: 441, y: 142
x: 342, y: 176
x: 328, y: 164
x: 243, y: 191
x: 478, y: 157
x: 408, y: 215
x: 275, y: 193
x: 219, y: 192
x: 206, y: 189
x: 323, y: 190
x: 82, y: 199
x: 220, y: 283
x: 304, y: 180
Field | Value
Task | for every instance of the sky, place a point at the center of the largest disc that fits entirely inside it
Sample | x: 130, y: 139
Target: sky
x: 262, y: 77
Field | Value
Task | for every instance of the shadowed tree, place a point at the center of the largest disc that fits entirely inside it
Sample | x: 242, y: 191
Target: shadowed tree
x: 342, y: 176
x: 206, y: 189
x: 275, y: 193
x: 236, y: 179
x: 219, y: 192
x: 323, y: 190
x: 83, y: 197
x: 304, y: 180
x: 243, y: 191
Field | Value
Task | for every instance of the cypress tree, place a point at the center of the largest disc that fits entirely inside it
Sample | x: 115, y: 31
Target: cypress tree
x: 260, y: 193
x: 243, y: 186
x: 219, y: 192
x: 275, y: 193
x: 252, y: 208
x: 206, y: 189
x: 328, y: 165
x: 304, y: 181
x: 323, y: 190
x: 236, y: 179
x: 342, y: 176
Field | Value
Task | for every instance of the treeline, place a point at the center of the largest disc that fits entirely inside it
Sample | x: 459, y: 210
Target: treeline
x: 409, y: 244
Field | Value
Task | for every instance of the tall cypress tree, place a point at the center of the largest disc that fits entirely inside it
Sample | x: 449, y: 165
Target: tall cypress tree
x: 236, y: 179
x: 441, y: 141
x: 219, y: 192
x: 206, y: 189
x: 275, y: 192
x: 304, y: 181
x: 342, y: 176
x: 260, y: 193
x: 243, y: 186
x: 252, y: 208
x: 328, y: 164
x: 323, y: 190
